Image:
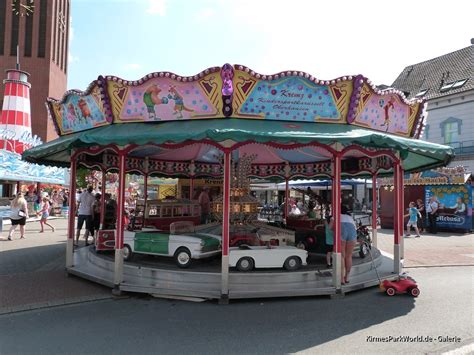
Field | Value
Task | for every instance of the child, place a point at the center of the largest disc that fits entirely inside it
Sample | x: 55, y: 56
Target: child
x: 44, y: 213
x: 329, y: 240
x: 413, y: 221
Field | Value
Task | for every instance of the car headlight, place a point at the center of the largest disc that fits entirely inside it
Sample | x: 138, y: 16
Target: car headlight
x: 202, y: 243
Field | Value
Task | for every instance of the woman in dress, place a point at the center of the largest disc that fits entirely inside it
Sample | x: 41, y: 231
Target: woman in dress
x: 18, y: 215
x: 44, y: 214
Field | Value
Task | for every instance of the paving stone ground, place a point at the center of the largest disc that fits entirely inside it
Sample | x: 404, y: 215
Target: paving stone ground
x: 32, y: 270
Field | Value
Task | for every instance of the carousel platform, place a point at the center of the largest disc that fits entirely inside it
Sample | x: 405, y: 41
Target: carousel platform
x: 160, y: 276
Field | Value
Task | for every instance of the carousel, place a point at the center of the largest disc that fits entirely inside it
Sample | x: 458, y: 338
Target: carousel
x: 233, y: 124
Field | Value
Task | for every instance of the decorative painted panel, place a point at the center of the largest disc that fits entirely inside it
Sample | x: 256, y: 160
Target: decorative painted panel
x: 238, y: 92
x: 79, y: 111
x: 289, y: 98
x: 165, y: 97
x: 386, y: 113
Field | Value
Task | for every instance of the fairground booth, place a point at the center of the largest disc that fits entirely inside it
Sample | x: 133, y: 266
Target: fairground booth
x: 452, y: 189
x: 233, y: 124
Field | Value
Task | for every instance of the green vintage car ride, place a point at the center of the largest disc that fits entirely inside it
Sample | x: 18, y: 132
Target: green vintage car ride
x: 183, y: 245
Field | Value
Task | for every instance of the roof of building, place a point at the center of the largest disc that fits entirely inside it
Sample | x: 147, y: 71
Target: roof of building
x: 445, y: 75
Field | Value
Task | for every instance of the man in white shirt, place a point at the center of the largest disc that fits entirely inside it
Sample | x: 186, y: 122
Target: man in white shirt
x: 85, y: 210
x: 432, y: 212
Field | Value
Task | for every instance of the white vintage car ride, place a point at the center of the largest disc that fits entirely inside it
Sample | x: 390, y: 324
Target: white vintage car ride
x: 246, y: 258
x: 182, y: 243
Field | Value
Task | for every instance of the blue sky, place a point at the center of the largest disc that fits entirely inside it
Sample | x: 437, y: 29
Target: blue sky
x: 328, y: 39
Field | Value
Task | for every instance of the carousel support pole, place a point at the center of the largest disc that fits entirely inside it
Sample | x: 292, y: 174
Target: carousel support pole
x: 401, y: 233
x: 336, y: 215
x: 396, y: 219
x: 225, y: 229
x: 191, y: 187
x: 374, y: 210
x: 102, y: 199
x: 72, y: 213
x: 287, y: 196
x: 118, y: 269
x: 145, y: 195
x: 18, y: 187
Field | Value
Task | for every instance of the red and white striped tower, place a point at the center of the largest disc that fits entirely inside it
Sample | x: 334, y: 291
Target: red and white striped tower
x: 15, y: 128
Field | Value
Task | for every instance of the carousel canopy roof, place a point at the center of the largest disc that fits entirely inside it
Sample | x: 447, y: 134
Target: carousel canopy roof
x: 415, y: 154
x: 285, y: 118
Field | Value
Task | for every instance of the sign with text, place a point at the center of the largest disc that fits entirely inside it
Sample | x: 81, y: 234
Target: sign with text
x: 455, y: 205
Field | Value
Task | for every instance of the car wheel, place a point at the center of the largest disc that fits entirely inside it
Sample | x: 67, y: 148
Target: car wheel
x: 364, y: 250
x: 301, y: 245
x: 292, y: 263
x: 245, y: 264
x: 390, y: 291
x: 182, y: 258
x: 127, y: 252
x: 415, y: 292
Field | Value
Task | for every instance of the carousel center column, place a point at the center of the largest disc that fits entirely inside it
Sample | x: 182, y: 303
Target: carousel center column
x: 225, y: 228
x: 118, y: 268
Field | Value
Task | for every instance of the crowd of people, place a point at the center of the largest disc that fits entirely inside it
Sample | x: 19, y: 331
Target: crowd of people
x: 43, y: 206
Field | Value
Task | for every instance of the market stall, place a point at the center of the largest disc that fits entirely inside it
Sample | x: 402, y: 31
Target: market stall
x: 452, y: 188
x: 233, y: 124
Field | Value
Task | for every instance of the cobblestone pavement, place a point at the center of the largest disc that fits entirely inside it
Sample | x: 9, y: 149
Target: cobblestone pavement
x: 442, y: 249
x: 32, y: 273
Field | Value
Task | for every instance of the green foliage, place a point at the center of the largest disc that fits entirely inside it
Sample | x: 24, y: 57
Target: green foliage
x: 81, y: 174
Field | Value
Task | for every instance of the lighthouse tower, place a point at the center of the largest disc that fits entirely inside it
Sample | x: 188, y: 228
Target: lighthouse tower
x: 15, y: 126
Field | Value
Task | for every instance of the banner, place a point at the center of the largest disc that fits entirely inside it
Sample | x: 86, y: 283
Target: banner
x: 455, y: 205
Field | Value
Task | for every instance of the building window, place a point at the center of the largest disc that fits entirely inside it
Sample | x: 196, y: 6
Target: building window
x: 427, y: 132
x: 14, y: 34
x: 422, y: 93
x: 28, y: 35
x: 42, y: 28
x: 3, y: 14
x: 451, y: 130
x: 453, y: 85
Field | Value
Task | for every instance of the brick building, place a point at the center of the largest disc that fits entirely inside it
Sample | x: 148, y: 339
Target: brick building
x: 42, y: 37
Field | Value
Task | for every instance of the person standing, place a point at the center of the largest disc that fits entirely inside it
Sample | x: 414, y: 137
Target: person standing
x: 413, y: 213
x: 85, y: 201
x: 44, y: 214
x: 432, y: 211
x: 329, y: 234
x: 18, y: 215
x: 205, y: 203
x: 348, y: 242
x: 420, y: 206
x: 96, y: 214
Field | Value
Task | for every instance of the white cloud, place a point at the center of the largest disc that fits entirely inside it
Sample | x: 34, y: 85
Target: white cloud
x: 156, y: 7
x: 132, y: 66
x: 72, y: 59
x: 204, y: 14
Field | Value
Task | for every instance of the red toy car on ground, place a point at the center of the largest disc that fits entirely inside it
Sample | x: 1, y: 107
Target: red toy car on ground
x: 404, y: 284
